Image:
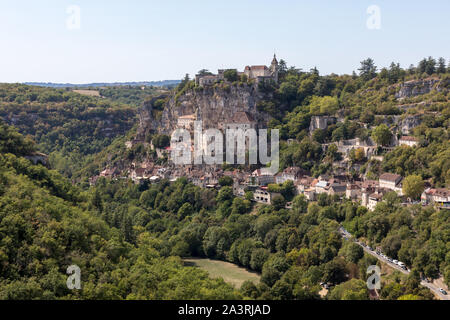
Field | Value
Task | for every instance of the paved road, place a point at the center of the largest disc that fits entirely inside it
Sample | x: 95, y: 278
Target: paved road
x: 430, y: 286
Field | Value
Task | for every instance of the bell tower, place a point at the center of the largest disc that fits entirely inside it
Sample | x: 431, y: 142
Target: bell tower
x: 274, y: 68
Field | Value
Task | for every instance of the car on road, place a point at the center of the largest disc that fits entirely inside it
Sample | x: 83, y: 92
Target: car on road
x: 370, y: 249
x: 395, y: 261
x: 443, y: 291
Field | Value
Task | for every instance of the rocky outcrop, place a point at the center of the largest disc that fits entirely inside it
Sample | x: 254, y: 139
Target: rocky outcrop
x: 216, y: 106
x: 147, y: 121
x: 409, y: 123
x: 417, y: 87
x: 320, y: 122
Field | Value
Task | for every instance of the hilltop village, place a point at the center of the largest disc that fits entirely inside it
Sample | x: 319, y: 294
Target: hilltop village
x: 364, y: 175
x: 367, y: 192
x: 225, y: 109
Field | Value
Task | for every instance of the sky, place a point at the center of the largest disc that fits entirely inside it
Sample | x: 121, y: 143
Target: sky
x: 148, y: 40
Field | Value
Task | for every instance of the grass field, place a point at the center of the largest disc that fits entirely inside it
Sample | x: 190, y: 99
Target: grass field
x: 229, y: 272
x: 91, y: 93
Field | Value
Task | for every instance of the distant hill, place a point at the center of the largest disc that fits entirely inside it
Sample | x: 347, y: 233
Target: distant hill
x: 163, y: 83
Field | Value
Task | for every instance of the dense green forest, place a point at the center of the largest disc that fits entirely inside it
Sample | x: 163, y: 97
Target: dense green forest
x: 129, y: 239
x: 130, y: 95
x: 47, y: 224
x: 363, y: 101
x: 67, y: 126
x: 294, y: 249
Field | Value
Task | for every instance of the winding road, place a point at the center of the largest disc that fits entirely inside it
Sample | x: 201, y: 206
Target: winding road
x: 346, y: 235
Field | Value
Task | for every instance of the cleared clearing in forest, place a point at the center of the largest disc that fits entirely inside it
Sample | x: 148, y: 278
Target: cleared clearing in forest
x: 229, y: 272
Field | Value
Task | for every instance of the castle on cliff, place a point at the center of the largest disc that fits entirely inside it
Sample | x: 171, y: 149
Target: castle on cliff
x: 259, y: 73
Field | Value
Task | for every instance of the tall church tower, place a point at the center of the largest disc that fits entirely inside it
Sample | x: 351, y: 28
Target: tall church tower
x: 274, y: 68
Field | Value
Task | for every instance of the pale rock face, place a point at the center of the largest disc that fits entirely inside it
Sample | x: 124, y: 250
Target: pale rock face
x: 417, y: 87
x: 320, y: 122
x: 216, y: 107
x: 146, y: 119
x: 409, y: 123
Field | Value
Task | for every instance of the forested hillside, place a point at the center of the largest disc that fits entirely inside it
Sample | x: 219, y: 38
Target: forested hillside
x: 46, y: 224
x: 130, y: 95
x: 65, y: 125
x: 363, y: 103
x: 128, y: 239
x: 294, y: 249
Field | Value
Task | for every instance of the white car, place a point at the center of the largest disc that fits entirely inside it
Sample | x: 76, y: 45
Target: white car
x: 443, y: 291
x: 395, y: 261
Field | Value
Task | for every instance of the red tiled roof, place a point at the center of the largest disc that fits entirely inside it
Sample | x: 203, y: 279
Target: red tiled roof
x: 442, y: 192
x: 409, y: 138
x: 370, y: 183
x: 256, y: 67
x: 188, y: 116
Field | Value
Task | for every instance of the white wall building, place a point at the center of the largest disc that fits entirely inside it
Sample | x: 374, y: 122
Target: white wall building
x: 408, y: 141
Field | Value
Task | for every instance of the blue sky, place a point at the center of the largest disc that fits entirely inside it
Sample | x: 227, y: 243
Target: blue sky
x: 137, y: 40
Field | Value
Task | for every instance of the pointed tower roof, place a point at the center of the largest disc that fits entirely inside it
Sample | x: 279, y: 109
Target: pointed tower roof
x: 274, y: 60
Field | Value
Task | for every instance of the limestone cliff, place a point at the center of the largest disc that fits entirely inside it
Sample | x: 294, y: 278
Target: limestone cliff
x: 417, y: 87
x: 216, y: 106
x: 320, y: 122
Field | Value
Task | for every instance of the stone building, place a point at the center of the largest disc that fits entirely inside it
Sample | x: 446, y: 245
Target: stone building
x: 291, y: 173
x: 264, y: 196
x: 262, y: 177
x: 391, y: 181
x: 408, y: 141
x: 187, y: 121
x: 263, y: 73
x: 257, y: 73
x: 353, y: 191
x: 439, y: 197
x: 241, y: 120
x: 374, y: 199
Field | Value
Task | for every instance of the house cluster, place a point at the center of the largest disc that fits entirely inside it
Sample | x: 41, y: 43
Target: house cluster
x: 368, y: 192
x: 258, y: 73
x: 438, y: 197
